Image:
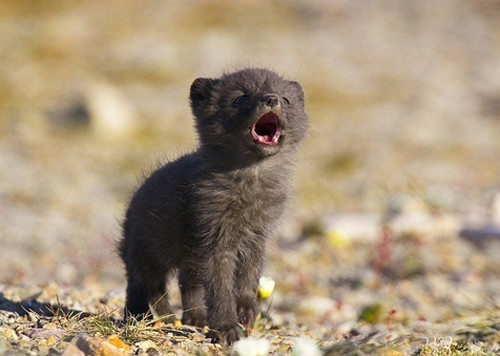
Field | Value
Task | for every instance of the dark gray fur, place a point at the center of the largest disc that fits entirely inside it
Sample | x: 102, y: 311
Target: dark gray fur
x: 208, y: 214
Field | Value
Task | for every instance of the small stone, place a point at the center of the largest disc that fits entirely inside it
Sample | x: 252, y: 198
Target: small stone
x: 50, y: 292
x: 72, y: 350
x: 89, y: 345
x: 115, y: 341
x: 45, y: 333
x: 51, y: 341
x: 108, y: 349
x: 146, y: 345
x: 9, y: 334
x: 391, y: 353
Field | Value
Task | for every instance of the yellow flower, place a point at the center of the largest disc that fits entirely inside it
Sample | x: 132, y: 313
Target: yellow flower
x: 337, y: 238
x: 266, y: 287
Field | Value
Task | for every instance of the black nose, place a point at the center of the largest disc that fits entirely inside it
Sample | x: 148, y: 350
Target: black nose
x: 271, y: 100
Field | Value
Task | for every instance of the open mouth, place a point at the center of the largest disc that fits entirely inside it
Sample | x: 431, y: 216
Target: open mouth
x: 266, y: 131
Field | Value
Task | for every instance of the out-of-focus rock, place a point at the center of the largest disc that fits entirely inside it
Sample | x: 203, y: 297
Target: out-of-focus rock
x: 484, y: 232
x: 317, y: 305
x: 353, y: 225
x: 89, y: 345
x: 71, y: 115
x: 495, y: 209
x: 45, y: 333
x: 72, y: 350
x: 305, y: 346
x: 111, y: 114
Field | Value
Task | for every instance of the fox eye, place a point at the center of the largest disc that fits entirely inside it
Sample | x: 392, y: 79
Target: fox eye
x: 242, y: 99
x: 286, y: 100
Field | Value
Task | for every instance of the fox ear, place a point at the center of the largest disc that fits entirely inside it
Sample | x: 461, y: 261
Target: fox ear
x: 298, y: 89
x: 201, y: 89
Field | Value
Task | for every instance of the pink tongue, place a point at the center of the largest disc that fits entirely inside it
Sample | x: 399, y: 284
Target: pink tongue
x: 267, y: 140
x: 266, y: 131
x: 271, y: 128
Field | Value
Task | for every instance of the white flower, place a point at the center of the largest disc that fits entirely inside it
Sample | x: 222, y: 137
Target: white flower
x: 305, y: 347
x: 252, y: 346
x: 266, y: 287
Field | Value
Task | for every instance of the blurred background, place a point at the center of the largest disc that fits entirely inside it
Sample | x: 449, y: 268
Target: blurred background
x: 403, y: 98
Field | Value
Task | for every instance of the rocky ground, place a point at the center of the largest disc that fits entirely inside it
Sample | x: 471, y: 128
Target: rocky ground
x: 402, y: 155
x: 401, y: 294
